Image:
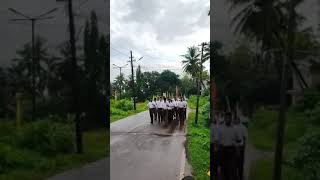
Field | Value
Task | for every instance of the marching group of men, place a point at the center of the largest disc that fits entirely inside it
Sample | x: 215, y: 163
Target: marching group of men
x: 164, y: 109
x: 228, y: 140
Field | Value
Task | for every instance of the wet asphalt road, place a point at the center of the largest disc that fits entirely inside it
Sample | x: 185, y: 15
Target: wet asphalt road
x: 98, y: 170
x: 142, y: 151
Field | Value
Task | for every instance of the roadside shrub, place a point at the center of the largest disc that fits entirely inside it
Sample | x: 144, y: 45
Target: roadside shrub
x: 206, y: 113
x: 47, y: 137
x: 115, y: 111
x: 192, y: 102
x: 7, y: 132
x: 124, y: 105
x: 11, y: 158
x: 307, y: 158
x: 314, y: 115
x: 311, y: 99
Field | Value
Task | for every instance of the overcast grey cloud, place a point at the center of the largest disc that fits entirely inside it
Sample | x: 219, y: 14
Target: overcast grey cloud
x: 222, y: 31
x: 160, y: 31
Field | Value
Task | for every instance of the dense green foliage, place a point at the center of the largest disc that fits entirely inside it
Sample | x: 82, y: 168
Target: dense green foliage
x: 307, y: 157
x: 192, y: 101
x: 148, y: 84
x: 42, y: 148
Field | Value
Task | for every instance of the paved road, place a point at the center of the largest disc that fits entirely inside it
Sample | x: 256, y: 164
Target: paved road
x: 98, y: 170
x: 142, y: 151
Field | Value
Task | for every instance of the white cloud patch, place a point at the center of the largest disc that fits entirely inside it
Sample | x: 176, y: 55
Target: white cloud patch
x: 160, y: 31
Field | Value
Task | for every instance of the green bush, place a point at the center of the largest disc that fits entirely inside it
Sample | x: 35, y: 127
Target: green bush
x: 46, y: 137
x: 314, y: 115
x: 307, y: 158
x: 206, y: 113
x: 192, y: 101
x: 124, y: 105
x: 310, y: 100
x: 11, y: 158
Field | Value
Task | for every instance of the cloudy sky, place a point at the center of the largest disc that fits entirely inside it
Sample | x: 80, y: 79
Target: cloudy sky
x: 160, y: 31
x: 14, y: 35
x: 222, y: 16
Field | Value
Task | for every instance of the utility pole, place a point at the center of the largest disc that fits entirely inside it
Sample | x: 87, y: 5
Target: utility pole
x: 277, y: 171
x: 33, y: 21
x: 132, y: 76
x: 75, y: 87
x: 199, y: 79
x: 120, y: 68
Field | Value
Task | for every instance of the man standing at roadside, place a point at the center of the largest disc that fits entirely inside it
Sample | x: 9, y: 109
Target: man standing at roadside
x: 227, y: 139
x: 214, y: 151
x: 242, y: 132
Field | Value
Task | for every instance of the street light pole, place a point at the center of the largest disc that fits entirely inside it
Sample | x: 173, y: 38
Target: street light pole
x: 33, y: 68
x: 133, y: 89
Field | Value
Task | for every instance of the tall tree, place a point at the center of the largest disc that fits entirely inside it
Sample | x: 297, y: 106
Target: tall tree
x: 191, y: 65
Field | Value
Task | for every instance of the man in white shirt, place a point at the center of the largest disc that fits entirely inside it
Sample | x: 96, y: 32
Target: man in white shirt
x: 175, y: 111
x: 165, y: 108
x: 180, y: 106
x: 214, y: 151
x: 242, y: 132
x: 159, y: 109
x: 151, y: 106
x: 228, y: 139
x: 170, y: 111
x: 185, y: 106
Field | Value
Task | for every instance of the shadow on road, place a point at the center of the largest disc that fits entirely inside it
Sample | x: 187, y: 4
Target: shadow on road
x: 171, y: 127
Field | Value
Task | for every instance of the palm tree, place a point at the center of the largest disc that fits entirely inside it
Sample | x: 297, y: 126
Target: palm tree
x: 279, y: 24
x: 191, y: 61
x: 191, y: 65
x: 259, y: 20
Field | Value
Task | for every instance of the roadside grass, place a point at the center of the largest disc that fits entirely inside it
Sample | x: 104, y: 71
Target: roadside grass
x: 192, y: 101
x: 263, y: 169
x: 262, y: 128
x: 28, y: 164
x: 262, y: 134
x: 120, y: 111
x: 198, y: 148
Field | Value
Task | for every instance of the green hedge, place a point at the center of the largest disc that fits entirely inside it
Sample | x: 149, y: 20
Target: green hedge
x: 198, y: 148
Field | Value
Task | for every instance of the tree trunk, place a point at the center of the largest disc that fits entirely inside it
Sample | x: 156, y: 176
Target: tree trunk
x: 198, y: 98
